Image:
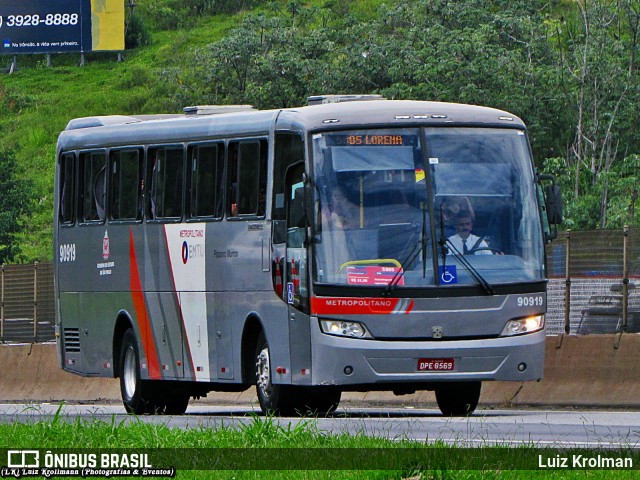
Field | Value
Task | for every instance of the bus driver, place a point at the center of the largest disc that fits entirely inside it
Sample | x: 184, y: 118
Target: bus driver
x: 466, y: 242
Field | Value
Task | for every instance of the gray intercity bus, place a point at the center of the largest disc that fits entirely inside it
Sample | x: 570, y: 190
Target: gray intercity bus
x: 308, y: 251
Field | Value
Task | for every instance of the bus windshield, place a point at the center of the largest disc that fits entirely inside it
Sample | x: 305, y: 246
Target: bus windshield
x: 459, y: 209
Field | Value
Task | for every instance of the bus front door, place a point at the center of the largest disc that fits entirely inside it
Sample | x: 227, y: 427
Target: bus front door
x: 296, y: 291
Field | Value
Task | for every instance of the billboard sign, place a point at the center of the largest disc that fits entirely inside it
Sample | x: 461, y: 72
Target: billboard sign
x: 58, y: 26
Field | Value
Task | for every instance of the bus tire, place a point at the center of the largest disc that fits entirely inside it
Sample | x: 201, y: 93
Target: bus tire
x: 274, y: 399
x: 136, y: 393
x: 176, y: 403
x: 321, y: 400
x: 458, y: 399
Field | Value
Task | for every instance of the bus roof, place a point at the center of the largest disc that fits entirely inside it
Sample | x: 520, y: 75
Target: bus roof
x: 96, y: 132
x: 396, y: 113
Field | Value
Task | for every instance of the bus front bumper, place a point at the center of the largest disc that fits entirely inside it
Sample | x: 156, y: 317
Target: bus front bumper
x: 350, y: 362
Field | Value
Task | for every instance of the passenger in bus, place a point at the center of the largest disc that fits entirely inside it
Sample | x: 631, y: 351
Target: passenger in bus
x: 337, y: 211
x: 466, y: 242
x: 336, y: 223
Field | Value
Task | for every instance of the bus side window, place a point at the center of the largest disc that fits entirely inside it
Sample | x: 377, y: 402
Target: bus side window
x: 166, y: 167
x: 100, y: 193
x: 67, y: 188
x: 126, y: 170
x: 206, y: 167
x: 289, y: 149
x: 93, y: 189
x: 247, y: 178
x: 295, y: 206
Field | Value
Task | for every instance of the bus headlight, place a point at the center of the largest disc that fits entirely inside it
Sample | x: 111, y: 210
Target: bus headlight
x: 344, y: 329
x: 523, y: 325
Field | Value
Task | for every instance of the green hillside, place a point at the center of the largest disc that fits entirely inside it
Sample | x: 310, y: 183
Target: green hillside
x: 533, y: 58
x: 37, y: 102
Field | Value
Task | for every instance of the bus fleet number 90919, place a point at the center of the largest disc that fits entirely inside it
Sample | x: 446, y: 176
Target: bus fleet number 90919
x: 531, y: 301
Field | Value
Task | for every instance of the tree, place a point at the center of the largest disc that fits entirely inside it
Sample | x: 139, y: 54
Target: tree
x: 601, y: 45
x: 15, y: 203
x: 568, y: 69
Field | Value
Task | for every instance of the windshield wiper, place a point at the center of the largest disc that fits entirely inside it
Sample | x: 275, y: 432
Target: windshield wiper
x: 400, y: 272
x: 446, y: 243
x: 447, y: 246
x: 412, y: 255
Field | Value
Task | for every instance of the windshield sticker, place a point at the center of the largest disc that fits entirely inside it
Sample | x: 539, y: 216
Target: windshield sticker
x: 448, y: 274
x: 374, y: 275
x: 433, y: 161
x: 290, y: 293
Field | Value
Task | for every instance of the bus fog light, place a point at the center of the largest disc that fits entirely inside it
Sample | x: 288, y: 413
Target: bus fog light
x: 523, y: 325
x: 348, y: 370
x: 522, y: 367
x: 344, y: 329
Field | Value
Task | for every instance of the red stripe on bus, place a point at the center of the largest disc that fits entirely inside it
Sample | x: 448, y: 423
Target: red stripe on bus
x: 144, y: 325
x: 410, y: 307
x: 358, y: 306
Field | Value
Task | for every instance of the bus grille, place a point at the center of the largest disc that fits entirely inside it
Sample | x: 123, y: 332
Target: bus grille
x: 71, y: 340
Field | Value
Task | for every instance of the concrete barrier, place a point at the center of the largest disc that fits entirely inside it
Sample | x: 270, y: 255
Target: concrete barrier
x: 30, y: 372
x: 579, y: 370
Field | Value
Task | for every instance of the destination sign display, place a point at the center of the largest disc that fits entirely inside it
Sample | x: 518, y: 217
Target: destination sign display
x: 375, y: 140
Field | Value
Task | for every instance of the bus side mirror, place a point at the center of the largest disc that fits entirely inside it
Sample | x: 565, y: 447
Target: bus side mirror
x: 551, y: 206
x: 553, y: 202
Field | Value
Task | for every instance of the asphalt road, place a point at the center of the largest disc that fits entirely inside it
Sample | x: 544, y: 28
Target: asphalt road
x: 486, y: 427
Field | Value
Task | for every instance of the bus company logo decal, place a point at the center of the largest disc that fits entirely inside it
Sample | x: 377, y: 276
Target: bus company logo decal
x: 185, y: 252
x: 191, y: 233
x: 192, y: 251
x: 106, y: 252
x: 361, y: 306
x: 186, y: 245
x: 193, y: 245
x: 105, y: 267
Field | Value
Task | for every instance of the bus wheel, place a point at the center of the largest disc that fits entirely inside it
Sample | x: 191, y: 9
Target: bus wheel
x: 177, y: 405
x: 274, y: 399
x: 321, y: 400
x: 136, y: 393
x: 458, y: 399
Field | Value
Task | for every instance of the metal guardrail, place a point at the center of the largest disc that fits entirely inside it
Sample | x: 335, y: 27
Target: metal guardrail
x: 594, y: 287
x: 594, y: 282
x: 27, y: 305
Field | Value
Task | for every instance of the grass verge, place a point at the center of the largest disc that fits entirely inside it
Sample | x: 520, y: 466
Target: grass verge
x: 266, y: 448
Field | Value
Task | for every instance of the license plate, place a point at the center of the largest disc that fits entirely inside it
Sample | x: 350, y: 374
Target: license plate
x: 436, y: 364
